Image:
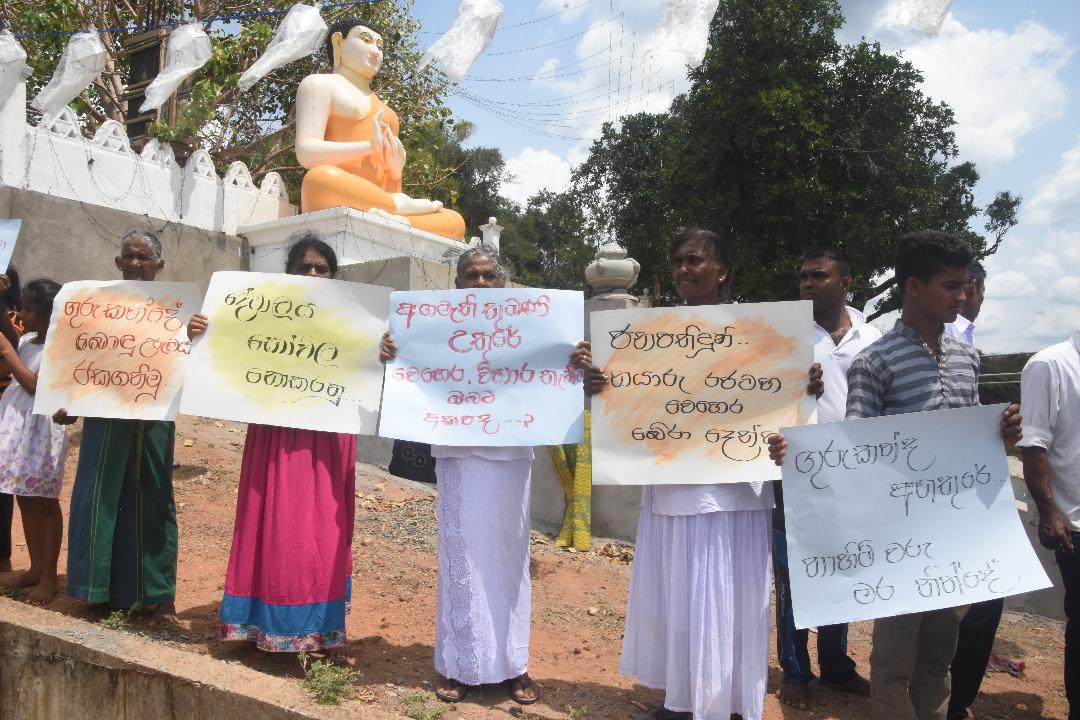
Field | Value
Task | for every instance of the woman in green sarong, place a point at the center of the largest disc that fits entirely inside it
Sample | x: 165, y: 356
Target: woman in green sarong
x: 122, y: 534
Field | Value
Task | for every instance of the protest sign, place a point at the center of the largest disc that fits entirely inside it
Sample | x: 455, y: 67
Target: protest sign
x: 289, y: 350
x: 694, y: 392
x: 9, y: 233
x: 116, y: 349
x: 485, y: 367
x: 902, y: 514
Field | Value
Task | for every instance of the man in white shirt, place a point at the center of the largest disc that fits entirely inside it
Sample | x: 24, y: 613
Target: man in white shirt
x: 1050, y: 399
x: 840, y: 333
x: 975, y: 643
x: 963, y: 328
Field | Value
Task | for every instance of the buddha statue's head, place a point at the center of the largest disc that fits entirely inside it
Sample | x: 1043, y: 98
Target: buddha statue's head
x: 356, y: 46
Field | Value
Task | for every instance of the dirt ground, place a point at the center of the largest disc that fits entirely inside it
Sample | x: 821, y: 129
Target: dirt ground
x: 579, y: 601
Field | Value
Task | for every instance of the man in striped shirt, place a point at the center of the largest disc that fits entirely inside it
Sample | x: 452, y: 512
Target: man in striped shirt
x: 916, y: 367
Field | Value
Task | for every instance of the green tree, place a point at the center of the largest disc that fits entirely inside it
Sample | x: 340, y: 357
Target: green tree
x: 625, y: 184
x: 788, y: 140
x: 547, y: 243
x: 471, y: 178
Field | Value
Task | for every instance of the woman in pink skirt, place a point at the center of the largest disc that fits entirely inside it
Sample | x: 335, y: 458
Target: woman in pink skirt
x: 289, y: 578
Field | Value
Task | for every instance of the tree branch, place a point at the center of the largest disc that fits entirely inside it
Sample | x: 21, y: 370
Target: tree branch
x: 279, y: 169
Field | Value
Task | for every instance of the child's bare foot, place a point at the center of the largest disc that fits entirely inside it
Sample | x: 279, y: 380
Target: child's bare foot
x: 25, y: 578
x: 43, y: 592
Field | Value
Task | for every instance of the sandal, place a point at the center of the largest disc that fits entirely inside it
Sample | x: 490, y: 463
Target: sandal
x: 662, y: 713
x: 452, y: 692
x: 519, y: 686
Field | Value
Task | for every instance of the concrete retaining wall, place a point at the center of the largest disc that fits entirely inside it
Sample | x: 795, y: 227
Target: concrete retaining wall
x: 53, y: 666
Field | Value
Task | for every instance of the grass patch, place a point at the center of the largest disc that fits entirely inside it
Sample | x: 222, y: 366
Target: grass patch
x: 118, y: 619
x: 576, y: 713
x: 416, y: 707
x: 326, y: 682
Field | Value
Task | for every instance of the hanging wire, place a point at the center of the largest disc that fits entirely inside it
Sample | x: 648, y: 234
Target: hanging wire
x: 560, y: 40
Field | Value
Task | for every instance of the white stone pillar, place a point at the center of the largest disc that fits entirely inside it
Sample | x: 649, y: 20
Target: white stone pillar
x: 492, y: 231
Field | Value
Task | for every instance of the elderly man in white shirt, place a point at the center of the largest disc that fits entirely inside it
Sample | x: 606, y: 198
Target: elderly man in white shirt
x: 963, y: 328
x: 840, y: 333
x: 1050, y: 399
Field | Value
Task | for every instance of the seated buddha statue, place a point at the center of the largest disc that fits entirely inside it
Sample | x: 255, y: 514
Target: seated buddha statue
x: 347, y: 138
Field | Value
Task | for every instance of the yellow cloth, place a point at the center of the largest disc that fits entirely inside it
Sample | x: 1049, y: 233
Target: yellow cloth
x: 574, y: 465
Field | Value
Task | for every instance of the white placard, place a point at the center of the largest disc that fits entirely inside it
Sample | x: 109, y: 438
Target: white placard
x: 902, y: 514
x: 116, y: 349
x: 695, y: 391
x: 485, y: 367
x: 290, y: 351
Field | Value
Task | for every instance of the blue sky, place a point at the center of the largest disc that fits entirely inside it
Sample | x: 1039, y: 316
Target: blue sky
x: 1010, y: 70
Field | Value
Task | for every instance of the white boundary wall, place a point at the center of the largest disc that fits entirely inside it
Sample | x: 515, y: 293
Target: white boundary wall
x: 56, y: 159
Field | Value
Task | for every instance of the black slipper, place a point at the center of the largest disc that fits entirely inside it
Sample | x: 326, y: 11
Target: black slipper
x: 460, y: 689
x: 520, y: 684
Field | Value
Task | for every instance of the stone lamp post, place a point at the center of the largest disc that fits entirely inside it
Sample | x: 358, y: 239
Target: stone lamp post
x: 611, y: 275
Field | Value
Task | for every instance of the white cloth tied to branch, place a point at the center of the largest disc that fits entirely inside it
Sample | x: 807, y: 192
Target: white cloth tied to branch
x: 926, y: 16
x: 81, y: 62
x: 12, y: 62
x: 684, y: 28
x: 469, y: 35
x: 300, y: 34
x: 189, y: 49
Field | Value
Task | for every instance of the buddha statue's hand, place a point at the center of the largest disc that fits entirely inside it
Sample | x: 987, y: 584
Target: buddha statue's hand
x: 377, y: 137
x: 386, y: 149
x: 393, y: 153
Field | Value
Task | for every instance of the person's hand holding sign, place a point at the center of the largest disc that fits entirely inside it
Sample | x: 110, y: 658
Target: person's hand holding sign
x: 387, y: 348
x: 197, y: 325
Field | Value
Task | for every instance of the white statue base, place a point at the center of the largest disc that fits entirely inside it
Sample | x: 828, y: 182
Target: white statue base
x: 356, y: 237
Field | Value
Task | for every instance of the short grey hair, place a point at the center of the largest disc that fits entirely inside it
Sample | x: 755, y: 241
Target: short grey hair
x: 144, y: 234
x: 480, y: 251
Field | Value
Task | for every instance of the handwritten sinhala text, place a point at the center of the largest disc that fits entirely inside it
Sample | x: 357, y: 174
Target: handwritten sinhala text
x: 814, y: 462
x: 692, y: 339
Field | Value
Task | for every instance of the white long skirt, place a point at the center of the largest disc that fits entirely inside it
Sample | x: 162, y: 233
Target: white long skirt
x: 485, y: 595
x: 697, y: 620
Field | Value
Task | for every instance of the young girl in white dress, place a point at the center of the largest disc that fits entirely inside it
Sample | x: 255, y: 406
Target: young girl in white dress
x: 32, y: 447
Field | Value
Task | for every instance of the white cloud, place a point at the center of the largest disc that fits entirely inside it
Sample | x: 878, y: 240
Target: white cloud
x: 1002, y: 83
x: 1010, y: 284
x: 1032, y: 292
x: 1066, y: 289
x: 533, y: 171
x: 549, y: 66
x: 1057, y: 200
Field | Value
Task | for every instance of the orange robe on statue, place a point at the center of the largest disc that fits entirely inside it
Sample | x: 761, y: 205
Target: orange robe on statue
x: 365, y: 184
